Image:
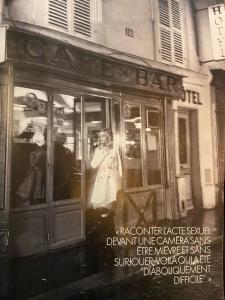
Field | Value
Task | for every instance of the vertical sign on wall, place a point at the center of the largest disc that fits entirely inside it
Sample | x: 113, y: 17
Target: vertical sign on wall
x: 217, y: 28
x: 3, y: 43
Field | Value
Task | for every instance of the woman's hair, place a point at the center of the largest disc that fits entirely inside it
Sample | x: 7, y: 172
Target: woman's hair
x: 109, y: 134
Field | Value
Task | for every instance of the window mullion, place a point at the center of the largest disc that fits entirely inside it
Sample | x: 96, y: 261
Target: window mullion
x: 143, y: 146
x: 49, y: 180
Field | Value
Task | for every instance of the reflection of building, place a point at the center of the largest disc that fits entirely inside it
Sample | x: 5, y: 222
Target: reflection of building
x: 99, y: 68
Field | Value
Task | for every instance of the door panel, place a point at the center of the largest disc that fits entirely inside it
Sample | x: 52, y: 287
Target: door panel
x: 28, y: 230
x: 66, y: 208
x: 67, y: 224
x: 184, y: 157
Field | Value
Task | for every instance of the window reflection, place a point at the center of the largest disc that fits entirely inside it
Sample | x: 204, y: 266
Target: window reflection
x: 182, y: 140
x: 28, y: 167
x: 95, y: 119
x: 152, y: 134
x: 67, y: 147
x: 133, y: 162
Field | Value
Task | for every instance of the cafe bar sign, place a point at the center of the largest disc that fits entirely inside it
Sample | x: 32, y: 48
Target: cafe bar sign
x: 217, y: 28
x: 39, y: 52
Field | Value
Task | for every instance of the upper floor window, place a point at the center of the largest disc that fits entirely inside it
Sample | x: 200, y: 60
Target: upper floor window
x: 74, y: 16
x: 171, y: 31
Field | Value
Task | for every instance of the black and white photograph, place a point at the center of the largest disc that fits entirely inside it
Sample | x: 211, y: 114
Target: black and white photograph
x: 112, y: 149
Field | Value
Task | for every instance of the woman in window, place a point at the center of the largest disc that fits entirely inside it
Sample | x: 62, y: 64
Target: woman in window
x: 100, y: 219
x: 108, y: 180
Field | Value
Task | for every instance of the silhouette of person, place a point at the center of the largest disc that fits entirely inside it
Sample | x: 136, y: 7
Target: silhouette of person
x: 63, y: 162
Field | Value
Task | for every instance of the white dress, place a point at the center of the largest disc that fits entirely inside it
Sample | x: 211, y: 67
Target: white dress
x: 109, y: 175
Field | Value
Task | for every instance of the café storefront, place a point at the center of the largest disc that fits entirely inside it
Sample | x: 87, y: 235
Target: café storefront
x: 58, y: 97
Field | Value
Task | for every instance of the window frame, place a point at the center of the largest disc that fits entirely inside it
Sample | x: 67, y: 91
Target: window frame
x: 68, y: 24
x: 155, y: 102
x: 49, y: 201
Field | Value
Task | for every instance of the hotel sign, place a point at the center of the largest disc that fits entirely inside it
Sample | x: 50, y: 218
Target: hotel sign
x: 2, y: 43
x: 217, y: 28
x: 60, y: 58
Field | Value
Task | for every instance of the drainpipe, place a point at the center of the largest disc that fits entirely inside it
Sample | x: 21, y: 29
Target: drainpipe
x: 2, y: 4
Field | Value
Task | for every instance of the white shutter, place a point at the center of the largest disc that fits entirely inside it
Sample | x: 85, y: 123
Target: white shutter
x: 165, y: 36
x: 57, y: 13
x: 170, y: 27
x: 164, y: 13
x: 82, y: 17
x: 177, y: 32
x: 176, y: 14
x: 166, y: 47
x: 178, y: 47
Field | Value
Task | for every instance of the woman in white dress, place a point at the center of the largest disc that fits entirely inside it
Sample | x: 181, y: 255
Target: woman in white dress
x: 100, y: 221
x: 109, y: 176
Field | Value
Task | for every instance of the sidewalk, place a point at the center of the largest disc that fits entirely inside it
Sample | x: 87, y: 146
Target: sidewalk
x: 64, y: 281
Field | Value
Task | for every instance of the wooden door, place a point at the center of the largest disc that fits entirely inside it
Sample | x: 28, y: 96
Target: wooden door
x: 184, y: 152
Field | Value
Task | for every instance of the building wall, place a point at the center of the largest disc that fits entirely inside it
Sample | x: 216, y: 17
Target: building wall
x: 109, y: 22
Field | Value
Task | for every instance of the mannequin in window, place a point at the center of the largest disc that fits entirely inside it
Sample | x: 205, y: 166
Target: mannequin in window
x: 32, y: 189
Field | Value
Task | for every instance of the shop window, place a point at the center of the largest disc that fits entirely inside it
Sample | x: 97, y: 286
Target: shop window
x: 46, y: 147
x: 29, y: 147
x: 97, y: 115
x: 142, y: 129
x: 67, y: 154
x: 133, y: 154
x: 152, y: 136
x: 171, y: 31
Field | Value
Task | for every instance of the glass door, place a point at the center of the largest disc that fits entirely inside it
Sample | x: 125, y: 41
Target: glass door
x: 97, y: 115
x: 29, y: 180
x: 66, y: 205
x: 46, y: 171
x: 184, y: 147
x: 142, y: 127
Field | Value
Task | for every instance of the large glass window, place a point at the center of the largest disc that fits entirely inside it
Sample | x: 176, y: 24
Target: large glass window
x: 142, y: 156
x: 37, y: 144
x: 29, y: 147
x: 95, y: 120
x: 152, y: 135
x: 182, y: 141
x: 67, y: 147
x: 133, y: 155
x: 97, y: 113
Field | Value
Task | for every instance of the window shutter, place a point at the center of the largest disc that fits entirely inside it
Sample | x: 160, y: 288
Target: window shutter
x: 164, y: 12
x: 176, y: 16
x: 177, y: 31
x: 82, y: 17
x: 178, y: 47
x: 170, y: 26
x: 57, y: 13
x: 166, y: 49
